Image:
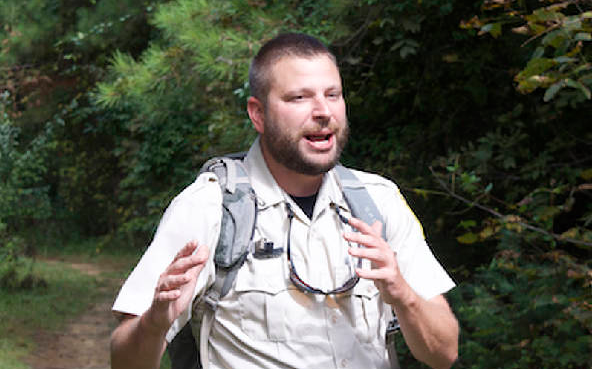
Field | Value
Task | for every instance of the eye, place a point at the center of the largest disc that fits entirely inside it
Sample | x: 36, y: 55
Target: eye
x: 296, y: 98
x: 334, y: 95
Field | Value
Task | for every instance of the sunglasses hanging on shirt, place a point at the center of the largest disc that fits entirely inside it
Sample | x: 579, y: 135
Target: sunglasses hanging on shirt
x: 299, y: 282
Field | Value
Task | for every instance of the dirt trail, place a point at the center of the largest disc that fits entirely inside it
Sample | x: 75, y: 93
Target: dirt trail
x: 84, y: 342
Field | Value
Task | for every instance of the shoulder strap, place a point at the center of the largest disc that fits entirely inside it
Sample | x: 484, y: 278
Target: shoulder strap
x: 239, y: 212
x: 357, y: 197
x: 239, y: 216
x: 363, y: 207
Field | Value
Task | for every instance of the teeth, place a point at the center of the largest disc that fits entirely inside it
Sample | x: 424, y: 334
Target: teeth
x: 318, y: 138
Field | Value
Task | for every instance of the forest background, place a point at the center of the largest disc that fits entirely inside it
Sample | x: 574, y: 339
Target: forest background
x: 479, y: 110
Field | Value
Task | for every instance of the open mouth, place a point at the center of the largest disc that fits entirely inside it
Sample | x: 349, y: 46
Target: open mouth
x: 320, y: 142
x: 318, y: 138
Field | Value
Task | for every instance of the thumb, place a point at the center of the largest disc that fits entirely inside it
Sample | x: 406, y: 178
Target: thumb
x: 377, y: 228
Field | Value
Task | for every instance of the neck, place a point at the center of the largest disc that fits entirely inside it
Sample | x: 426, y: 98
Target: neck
x: 294, y: 183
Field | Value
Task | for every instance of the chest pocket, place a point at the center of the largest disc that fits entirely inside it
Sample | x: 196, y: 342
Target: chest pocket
x: 259, y: 287
x: 272, y: 309
x: 367, y: 311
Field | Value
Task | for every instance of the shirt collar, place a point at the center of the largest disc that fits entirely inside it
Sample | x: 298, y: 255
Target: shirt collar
x: 266, y: 188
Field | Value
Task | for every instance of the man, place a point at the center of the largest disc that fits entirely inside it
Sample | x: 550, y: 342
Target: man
x: 295, y: 310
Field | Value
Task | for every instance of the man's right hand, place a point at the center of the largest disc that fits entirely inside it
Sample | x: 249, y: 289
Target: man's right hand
x: 139, y: 341
x: 175, y: 287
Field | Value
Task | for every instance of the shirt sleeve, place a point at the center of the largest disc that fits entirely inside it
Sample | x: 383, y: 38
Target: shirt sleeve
x: 194, y: 215
x: 404, y: 232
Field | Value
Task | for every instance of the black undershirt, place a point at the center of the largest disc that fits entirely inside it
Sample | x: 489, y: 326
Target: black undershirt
x: 306, y: 203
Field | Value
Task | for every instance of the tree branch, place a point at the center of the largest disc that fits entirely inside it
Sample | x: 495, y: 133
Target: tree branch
x: 505, y: 217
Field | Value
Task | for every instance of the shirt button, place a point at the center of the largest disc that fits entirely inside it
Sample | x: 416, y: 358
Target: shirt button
x: 344, y: 363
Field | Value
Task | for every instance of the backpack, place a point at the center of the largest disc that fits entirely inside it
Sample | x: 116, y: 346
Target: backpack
x: 239, y: 217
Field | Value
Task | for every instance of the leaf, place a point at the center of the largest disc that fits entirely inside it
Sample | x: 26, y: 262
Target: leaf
x: 468, y: 238
x: 397, y: 45
x: 407, y: 50
x: 353, y: 60
x: 495, y: 29
x: 412, y: 25
x: 564, y: 59
x: 450, y: 58
x: 538, y: 52
x: 536, y: 66
x: 555, y: 38
x: 466, y: 224
x: 544, y: 15
x: 579, y: 86
x: 571, y: 233
x: 586, y: 174
x: 487, y: 232
x: 548, y: 212
x: 583, y: 36
x: 552, y: 90
x: 420, y: 192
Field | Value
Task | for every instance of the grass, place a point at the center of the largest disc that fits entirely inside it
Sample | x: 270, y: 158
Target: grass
x: 66, y: 292
x: 24, y: 312
x: 11, y: 351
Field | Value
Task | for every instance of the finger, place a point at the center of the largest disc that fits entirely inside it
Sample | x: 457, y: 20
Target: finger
x: 378, y: 274
x: 186, y: 250
x: 377, y: 227
x: 374, y: 255
x: 360, y: 225
x: 187, y: 261
x: 200, y: 257
x: 369, y: 241
x: 202, y: 254
x: 197, y: 262
x: 363, y: 227
x: 172, y: 282
x: 167, y: 296
x: 362, y: 239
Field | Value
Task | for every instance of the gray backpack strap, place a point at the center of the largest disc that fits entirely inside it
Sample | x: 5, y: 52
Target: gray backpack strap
x: 363, y: 207
x: 239, y: 212
x: 239, y: 216
x: 207, y: 319
x: 358, y: 199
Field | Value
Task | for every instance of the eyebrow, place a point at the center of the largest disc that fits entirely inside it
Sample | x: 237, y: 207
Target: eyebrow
x: 305, y: 90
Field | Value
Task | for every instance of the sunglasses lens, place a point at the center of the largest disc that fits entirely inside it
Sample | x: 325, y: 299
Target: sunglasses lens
x: 304, y: 287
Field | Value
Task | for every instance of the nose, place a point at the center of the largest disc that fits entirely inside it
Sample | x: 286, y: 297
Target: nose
x: 321, y: 111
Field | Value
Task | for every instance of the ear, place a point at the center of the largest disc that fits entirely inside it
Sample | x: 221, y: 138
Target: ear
x: 256, y: 113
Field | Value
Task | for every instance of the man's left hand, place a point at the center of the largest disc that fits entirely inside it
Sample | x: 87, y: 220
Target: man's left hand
x: 385, y: 271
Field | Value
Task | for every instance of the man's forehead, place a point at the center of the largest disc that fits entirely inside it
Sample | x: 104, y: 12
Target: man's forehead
x: 295, y: 69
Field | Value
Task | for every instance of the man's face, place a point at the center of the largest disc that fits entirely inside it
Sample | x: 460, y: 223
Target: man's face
x: 305, y: 124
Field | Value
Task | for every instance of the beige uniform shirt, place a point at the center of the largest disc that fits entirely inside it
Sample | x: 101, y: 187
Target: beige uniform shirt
x: 266, y: 322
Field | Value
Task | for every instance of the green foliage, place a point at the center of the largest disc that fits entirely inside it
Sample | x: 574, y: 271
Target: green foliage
x: 186, y: 94
x: 25, y: 25
x: 533, y: 311
x: 527, y: 182
x: 115, y: 105
x: 53, y: 52
x: 561, y: 32
x: 523, y: 311
x: 23, y: 198
x: 23, y: 194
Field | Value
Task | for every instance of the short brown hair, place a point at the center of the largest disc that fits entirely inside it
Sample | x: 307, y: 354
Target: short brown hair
x: 285, y: 44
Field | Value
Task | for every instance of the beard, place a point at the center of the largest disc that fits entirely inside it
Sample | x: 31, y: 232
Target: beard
x: 283, y: 147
